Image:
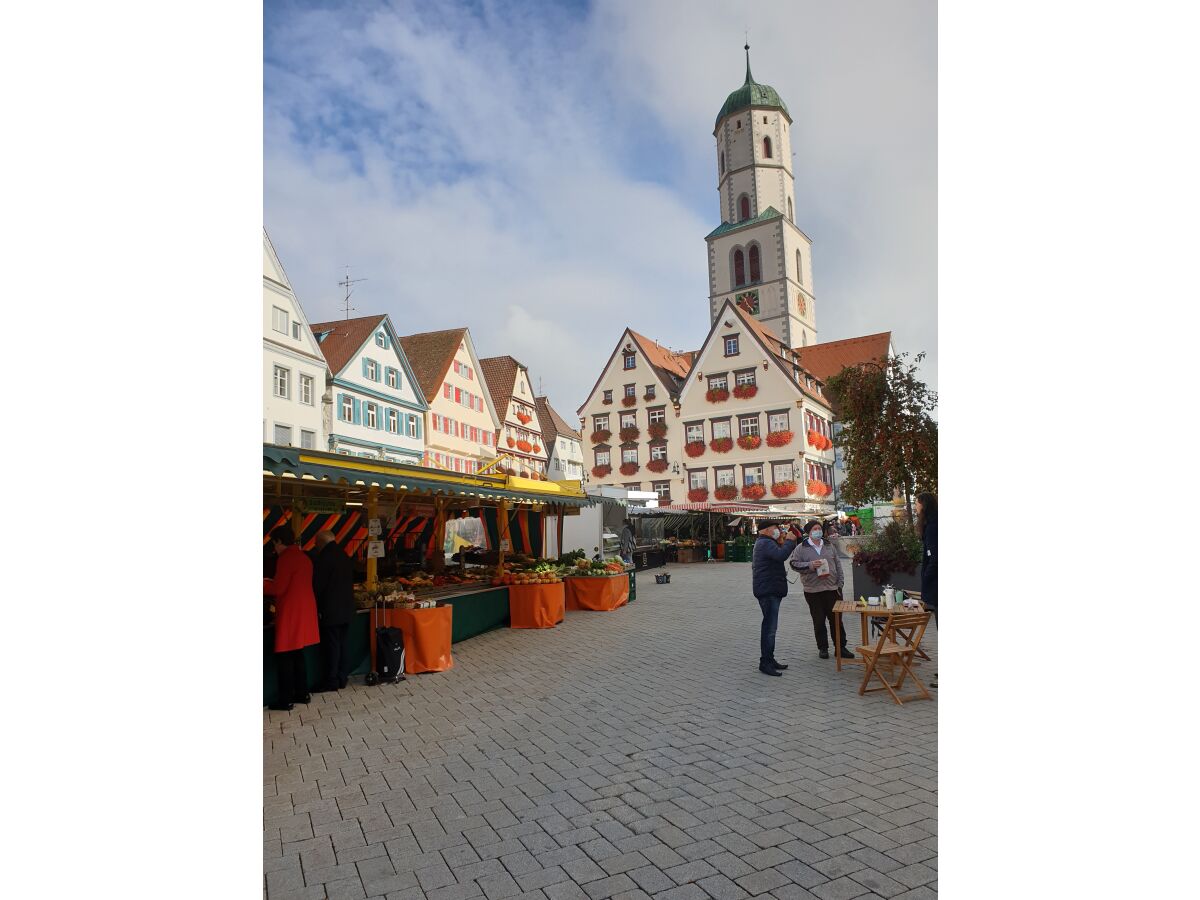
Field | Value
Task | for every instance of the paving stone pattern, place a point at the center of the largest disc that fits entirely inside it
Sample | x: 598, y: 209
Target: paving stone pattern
x: 631, y: 754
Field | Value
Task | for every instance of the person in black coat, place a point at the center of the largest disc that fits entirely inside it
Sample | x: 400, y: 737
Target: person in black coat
x: 771, y: 551
x: 927, y: 527
x: 333, y: 584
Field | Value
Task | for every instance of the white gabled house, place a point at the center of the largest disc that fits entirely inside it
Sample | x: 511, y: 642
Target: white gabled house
x: 294, y: 369
x: 377, y: 409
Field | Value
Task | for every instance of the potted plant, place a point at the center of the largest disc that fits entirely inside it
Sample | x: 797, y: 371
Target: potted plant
x: 725, y: 492
x: 891, y: 555
x: 717, y: 395
x: 524, y: 446
x: 779, y: 438
x: 599, y: 436
x: 749, y: 441
x: 629, y: 468
x: 607, y: 401
x: 657, y: 429
x: 721, y: 445
x: 698, y: 495
x: 694, y: 448
x: 511, y: 442
x: 601, y: 471
x: 537, y: 448
x: 783, y: 488
x: 630, y: 434
x: 657, y: 465
x: 754, y: 492
x: 524, y: 418
x: 745, y: 391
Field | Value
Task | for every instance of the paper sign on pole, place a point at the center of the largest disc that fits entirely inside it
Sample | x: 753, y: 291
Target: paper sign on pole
x: 374, y: 528
x: 506, y: 545
x: 375, y: 550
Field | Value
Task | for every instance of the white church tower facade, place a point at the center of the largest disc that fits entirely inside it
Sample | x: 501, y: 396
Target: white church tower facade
x: 757, y: 256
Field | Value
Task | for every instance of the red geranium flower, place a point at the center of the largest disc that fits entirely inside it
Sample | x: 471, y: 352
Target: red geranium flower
x: 601, y: 471
x: 694, y: 448
x: 657, y: 465
x: 754, y: 492
x: 629, y: 468
x: 745, y: 391
x: 598, y: 437
x: 779, y: 438
x: 657, y: 429
x: 717, y: 395
x: 698, y: 495
x: 628, y: 401
x: 750, y: 442
x: 630, y: 434
x: 725, y: 492
x: 721, y: 445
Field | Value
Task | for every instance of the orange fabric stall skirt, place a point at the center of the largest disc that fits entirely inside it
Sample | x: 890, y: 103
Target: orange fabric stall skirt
x: 536, y: 605
x: 426, y: 637
x: 597, y: 592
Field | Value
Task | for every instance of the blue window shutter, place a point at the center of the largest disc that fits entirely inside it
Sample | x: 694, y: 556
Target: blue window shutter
x: 364, y: 365
x: 339, y: 406
x: 357, y: 410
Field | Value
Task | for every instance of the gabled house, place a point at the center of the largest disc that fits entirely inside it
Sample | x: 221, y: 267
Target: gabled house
x: 461, y: 422
x: 377, y: 409
x: 294, y: 370
x: 564, y: 442
x: 520, y: 434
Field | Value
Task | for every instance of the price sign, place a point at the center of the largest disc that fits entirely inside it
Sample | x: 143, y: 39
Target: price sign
x: 375, y: 550
x: 506, y: 545
x: 374, y: 528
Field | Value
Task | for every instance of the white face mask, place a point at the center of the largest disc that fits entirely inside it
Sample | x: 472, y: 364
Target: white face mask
x: 816, y: 534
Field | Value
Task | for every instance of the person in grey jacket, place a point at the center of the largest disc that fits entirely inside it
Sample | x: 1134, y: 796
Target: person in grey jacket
x: 821, y: 591
x: 771, y: 551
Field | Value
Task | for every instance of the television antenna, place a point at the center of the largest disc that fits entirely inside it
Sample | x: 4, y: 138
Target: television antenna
x: 346, y: 283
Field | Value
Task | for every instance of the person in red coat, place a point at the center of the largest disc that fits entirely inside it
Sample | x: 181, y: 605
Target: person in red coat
x: 295, y: 617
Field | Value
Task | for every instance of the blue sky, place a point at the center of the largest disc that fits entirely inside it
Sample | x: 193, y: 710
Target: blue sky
x: 544, y: 173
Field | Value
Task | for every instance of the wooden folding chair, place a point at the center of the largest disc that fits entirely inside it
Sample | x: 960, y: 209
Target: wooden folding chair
x: 907, y: 634
x: 908, y: 628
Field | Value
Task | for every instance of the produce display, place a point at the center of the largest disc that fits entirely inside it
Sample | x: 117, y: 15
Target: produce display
x: 608, y: 568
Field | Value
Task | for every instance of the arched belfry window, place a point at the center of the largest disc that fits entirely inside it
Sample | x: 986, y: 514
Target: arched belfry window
x: 766, y: 148
x: 743, y: 207
x: 755, y: 264
x: 739, y: 267
x: 799, y: 269
x: 791, y: 218
x: 722, y: 162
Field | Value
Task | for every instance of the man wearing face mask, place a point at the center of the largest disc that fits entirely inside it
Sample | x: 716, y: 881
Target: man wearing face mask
x: 771, y: 550
x: 821, y: 574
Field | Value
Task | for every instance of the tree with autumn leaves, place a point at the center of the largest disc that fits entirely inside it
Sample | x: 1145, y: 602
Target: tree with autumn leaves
x: 887, y: 437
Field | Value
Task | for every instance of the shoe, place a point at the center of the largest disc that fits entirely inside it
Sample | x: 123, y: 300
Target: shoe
x: 768, y: 669
x: 824, y: 654
x: 343, y: 683
x: 846, y: 654
x: 307, y: 698
x: 281, y: 707
x: 777, y: 664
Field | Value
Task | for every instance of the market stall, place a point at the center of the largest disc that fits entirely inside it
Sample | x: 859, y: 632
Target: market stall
x: 601, y: 586
x: 536, y: 605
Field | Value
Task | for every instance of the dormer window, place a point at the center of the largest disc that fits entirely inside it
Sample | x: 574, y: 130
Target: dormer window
x: 630, y: 360
x: 380, y: 339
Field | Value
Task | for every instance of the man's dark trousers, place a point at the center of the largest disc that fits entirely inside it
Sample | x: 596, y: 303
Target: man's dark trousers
x: 820, y: 604
x: 334, y: 655
x: 770, y: 623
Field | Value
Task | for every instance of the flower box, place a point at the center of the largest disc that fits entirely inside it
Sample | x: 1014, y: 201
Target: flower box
x: 721, y: 445
x: 754, y: 492
x: 511, y: 442
x: 607, y: 402
x: 725, y: 492
x: 818, y: 488
x: 750, y: 442
x: 694, y: 448
x: 629, y: 401
x: 630, y: 434
x: 524, y: 418
x: 718, y: 395
x: 745, y: 391
x: 657, y: 465
x: 818, y: 440
x: 697, y: 495
x: 657, y: 429
x: 599, y: 436
x: 779, y: 438
x: 649, y: 398
x: 537, y: 448
x: 629, y: 468
x: 784, y: 488
x: 524, y: 446
x: 601, y: 471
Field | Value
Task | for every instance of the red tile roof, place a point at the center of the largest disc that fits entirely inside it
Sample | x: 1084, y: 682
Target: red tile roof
x: 828, y: 359
x: 784, y: 355
x: 347, y: 336
x: 500, y: 373
x: 669, y: 366
x: 553, y: 424
x: 430, y: 354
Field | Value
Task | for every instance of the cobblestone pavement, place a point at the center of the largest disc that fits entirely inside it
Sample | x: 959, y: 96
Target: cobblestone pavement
x: 622, y: 755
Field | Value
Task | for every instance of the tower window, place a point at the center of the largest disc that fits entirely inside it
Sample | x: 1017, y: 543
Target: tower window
x: 791, y: 218
x: 755, y: 265
x: 743, y: 207
x: 764, y: 120
x: 739, y: 124
x: 722, y: 163
x: 766, y: 148
x: 739, y: 268
x: 799, y: 267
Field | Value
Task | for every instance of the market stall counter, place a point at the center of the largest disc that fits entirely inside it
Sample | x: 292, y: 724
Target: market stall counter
x: 426, y: 637
x: 597, y: 592
x: 536, y: 605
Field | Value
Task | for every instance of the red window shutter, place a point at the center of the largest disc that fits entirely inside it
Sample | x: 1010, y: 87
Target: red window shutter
x: 446, y: 390
x: 458, y: 395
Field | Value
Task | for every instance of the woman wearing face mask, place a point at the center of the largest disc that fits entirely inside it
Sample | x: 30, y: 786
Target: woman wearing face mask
x: 771, y: 550
x: 812, y: 557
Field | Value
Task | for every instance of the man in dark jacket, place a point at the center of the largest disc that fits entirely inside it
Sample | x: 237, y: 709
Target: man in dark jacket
x: 333, y: 584
x: 771, y: 549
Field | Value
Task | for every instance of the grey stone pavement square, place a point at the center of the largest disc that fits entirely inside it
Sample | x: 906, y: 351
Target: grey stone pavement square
x: 631, y: 754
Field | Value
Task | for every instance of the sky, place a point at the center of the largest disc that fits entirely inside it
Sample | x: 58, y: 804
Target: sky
x: 545, y: 173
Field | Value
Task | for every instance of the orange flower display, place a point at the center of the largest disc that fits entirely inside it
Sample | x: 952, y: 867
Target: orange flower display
x: 754, y: 492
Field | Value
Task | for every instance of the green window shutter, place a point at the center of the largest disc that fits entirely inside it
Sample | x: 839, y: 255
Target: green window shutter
x: 340, y: 398
x: 364, y: 365
x: 357, y: 410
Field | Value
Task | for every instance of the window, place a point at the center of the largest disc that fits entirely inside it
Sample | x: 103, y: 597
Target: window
x: 744, y: 377
x: 412, y: 426
x: 629, y: 455
x: 738, y: 125
x: 725, y: 477
x: 766, y: 144
x: 718, y: 382
x: 608, y: 396
x: 372, y: 370
x: 739, y: 267
x: 777, y: 421
x: 630, y: 360
x: 283, y: 435
x: 347, y: 409
x: 649, y: 392
x: 799, y: 267
x: 631, y: 390
x: 602, y: 457
x: 380, y: 339
x: 748, y: 425
x: 698, y: 479
x: 790, y: 218
x: 393, y: 378
x: 694, y: 431
x: 658, y: 451
x: 662, y: 489
x: 657, y: 415
x: 781, y: 472
x: 629, y: 420
x: 720, y: 429
x: 755, y: 264
x: 731, y: 345
x: 458, y: 398
x: 281, y: 382
x: 393, y: 420
x: 765, y: 122
x: 601, y: 422
x: 743, y: 207
x: 752, y: 474
x: 306, y: 389
x: 296, y: 330
x: 279, y: 319
x: 722, y: 162
x: 371, y: 418
x: 308, y: 440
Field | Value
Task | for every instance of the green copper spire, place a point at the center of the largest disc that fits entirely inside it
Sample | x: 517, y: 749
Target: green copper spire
x: 749, y: 77
x: 751, y: 93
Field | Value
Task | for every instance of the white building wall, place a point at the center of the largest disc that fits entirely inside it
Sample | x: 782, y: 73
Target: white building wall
x: 566, y: 460
x: 461, y: 452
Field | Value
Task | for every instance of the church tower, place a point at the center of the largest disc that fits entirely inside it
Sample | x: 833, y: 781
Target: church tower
x: 757, y: 256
